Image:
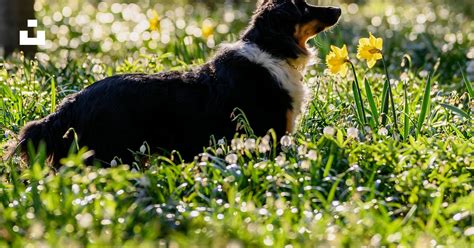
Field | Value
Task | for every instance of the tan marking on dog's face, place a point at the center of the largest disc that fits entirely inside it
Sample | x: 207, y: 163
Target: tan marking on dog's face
x: 306, y: 31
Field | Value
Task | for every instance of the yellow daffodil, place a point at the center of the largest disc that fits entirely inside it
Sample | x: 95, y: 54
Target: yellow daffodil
x: 207, y: 28
x: 370, y: 49
x: 154, y: 21
x: 337, y: 60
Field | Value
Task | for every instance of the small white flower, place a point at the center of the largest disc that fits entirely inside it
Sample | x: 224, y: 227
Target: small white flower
x: 60, y: 80
x: 329, y: 131
x: 84, y: 220
x: 113, y: 163
x: 144, y: 181
x: 97, y: 69
x: 383, y: 131
x: 260, y: 165
x: 8, y: 133
x: 205, y: 157
x: 264, y: 145
x: 231, y: 158
x: 469, y: 231
x: 305, y: 165
x: 75, y: 189
x: 237, y: 144
x: 404, y: 77
x: 312, y: 154
x: 280, y: 159
x: 352, y: 133
x: 286, y: 141
x: 250, y: 144
x: 221, y: 142
x: 143, y: 148
x: 263, y: 148
x: 302, y: 149
x: 219, y: 151
x: 423, y: 73
x: 36, y: 230
x: 367, y: 129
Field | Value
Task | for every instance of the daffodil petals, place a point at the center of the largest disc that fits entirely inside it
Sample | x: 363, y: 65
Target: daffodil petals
x: 337, y: 59
x: 371, y: 63
x: 364, y: 42
x: 379, y: 44
x: 370, y: 49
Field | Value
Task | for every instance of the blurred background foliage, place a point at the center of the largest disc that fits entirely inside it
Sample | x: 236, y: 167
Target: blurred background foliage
x: 116, y: 30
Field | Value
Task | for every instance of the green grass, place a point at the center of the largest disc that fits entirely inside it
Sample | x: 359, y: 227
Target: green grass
x: 336, y: 187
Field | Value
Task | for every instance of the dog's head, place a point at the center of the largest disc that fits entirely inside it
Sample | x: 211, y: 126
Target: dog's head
x: 283, y: 27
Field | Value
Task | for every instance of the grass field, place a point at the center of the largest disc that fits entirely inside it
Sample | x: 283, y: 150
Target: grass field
x: 347, y: 178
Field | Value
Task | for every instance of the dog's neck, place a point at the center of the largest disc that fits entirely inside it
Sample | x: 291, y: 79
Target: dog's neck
x: 303, y: 61
x: 297, y: 65
x: 300, y: 63
x: 289, y: 73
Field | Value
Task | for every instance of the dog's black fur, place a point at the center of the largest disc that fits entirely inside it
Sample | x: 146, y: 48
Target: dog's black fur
x: 180, y: 111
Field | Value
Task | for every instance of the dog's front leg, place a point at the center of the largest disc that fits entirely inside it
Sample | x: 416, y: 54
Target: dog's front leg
x: 290, y: 121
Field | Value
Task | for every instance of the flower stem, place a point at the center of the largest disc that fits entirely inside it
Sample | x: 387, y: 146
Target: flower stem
x: 389, y: 96
x: 364, y: 117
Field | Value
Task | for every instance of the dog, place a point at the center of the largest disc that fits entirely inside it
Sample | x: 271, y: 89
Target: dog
x: 260, y: 74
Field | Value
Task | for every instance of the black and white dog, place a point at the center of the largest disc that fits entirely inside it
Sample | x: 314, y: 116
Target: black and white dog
x: 261, y: 74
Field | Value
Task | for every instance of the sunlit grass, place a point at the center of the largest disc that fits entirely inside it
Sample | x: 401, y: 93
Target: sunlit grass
x: 339, y: 181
